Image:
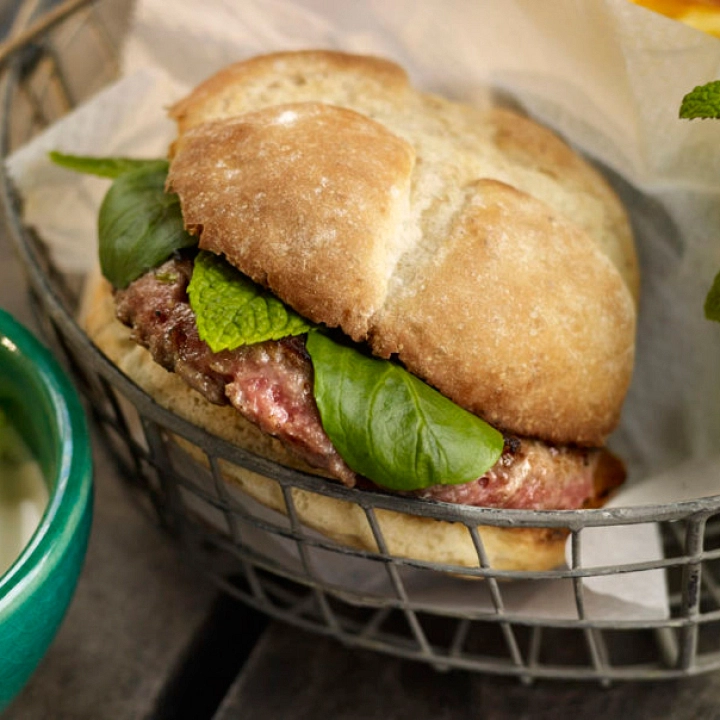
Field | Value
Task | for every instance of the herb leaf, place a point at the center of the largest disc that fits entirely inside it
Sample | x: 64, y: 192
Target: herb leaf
x: 108, y: 167
x: 702, y: 102
x: 391, y: 427
x: 140, y: 225
x: 231, y: 310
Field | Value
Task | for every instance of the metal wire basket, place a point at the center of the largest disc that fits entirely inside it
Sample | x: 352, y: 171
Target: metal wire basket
x: 236, y: 542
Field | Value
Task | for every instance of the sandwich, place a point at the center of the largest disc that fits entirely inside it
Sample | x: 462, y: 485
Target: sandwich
x: 395, y: 291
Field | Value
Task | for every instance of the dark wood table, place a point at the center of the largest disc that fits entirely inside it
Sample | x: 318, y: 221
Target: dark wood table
x: 147, y: 637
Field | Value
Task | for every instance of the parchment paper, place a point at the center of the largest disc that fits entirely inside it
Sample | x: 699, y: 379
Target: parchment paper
x: 607, y: 75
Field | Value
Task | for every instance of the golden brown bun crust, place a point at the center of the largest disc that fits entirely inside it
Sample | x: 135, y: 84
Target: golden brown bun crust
x: 538, y: 148
x: 407, y: 536
x: 317, y: 75
x: 329, y: 177
x: 558, y: 300
x: 475, y: 246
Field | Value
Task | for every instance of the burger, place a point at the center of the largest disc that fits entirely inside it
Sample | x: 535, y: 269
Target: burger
x: 395, y: 291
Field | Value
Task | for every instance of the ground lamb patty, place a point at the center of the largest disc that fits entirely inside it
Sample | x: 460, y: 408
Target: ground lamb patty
x: 270, y: 383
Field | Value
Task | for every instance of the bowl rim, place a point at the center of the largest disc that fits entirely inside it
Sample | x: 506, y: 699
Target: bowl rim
x: 70, y: 490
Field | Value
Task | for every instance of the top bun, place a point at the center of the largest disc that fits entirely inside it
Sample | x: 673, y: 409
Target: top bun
x: 472, y: 244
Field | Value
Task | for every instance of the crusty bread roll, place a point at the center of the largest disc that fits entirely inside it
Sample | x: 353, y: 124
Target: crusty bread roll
x: 472, y: 245
x: 408, y: 536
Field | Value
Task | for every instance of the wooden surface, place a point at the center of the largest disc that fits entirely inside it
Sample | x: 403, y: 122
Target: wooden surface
x: 147, y: 637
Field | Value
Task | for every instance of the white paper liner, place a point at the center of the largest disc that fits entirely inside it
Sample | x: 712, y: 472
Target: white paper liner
x: 607, y: 75
x: 632, y: 596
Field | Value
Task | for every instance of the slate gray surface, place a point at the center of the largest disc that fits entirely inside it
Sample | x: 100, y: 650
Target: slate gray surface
x: 294, y: 676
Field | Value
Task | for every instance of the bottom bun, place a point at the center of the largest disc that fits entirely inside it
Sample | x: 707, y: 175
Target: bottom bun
x: 405, y: 535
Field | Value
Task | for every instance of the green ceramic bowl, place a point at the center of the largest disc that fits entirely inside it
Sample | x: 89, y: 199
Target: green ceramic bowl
x: 35, y: 591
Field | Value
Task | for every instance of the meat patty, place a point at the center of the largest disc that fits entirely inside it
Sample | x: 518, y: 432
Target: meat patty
x: 271, y: 384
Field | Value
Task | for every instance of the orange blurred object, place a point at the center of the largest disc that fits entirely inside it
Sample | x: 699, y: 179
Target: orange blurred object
x: 701, y: 14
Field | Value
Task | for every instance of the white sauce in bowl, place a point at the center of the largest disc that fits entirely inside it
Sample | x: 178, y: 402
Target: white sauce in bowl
x: 23, y: 494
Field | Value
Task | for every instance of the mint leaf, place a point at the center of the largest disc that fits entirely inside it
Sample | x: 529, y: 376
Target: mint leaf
x: 712, y: 301
x: 108, y: 167
x: 232, y: 311
x: 391, y: 427
x: 140, y: 225
x: 702, y: 102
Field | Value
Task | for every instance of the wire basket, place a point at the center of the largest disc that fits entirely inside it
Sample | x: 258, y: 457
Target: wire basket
x: 273, y: 562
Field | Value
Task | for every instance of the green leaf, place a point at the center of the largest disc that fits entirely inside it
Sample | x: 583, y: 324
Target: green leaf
x: 140, y: 225
x: 712, y: 301
x: 232, y: 311
x: 107, y: 167
x: 702, y: 102
x: 391, y: 427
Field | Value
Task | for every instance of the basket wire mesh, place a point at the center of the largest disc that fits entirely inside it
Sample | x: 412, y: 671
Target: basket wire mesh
x: 177, y: 471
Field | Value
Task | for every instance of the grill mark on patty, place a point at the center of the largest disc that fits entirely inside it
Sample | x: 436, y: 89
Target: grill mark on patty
x: 270, y: 383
